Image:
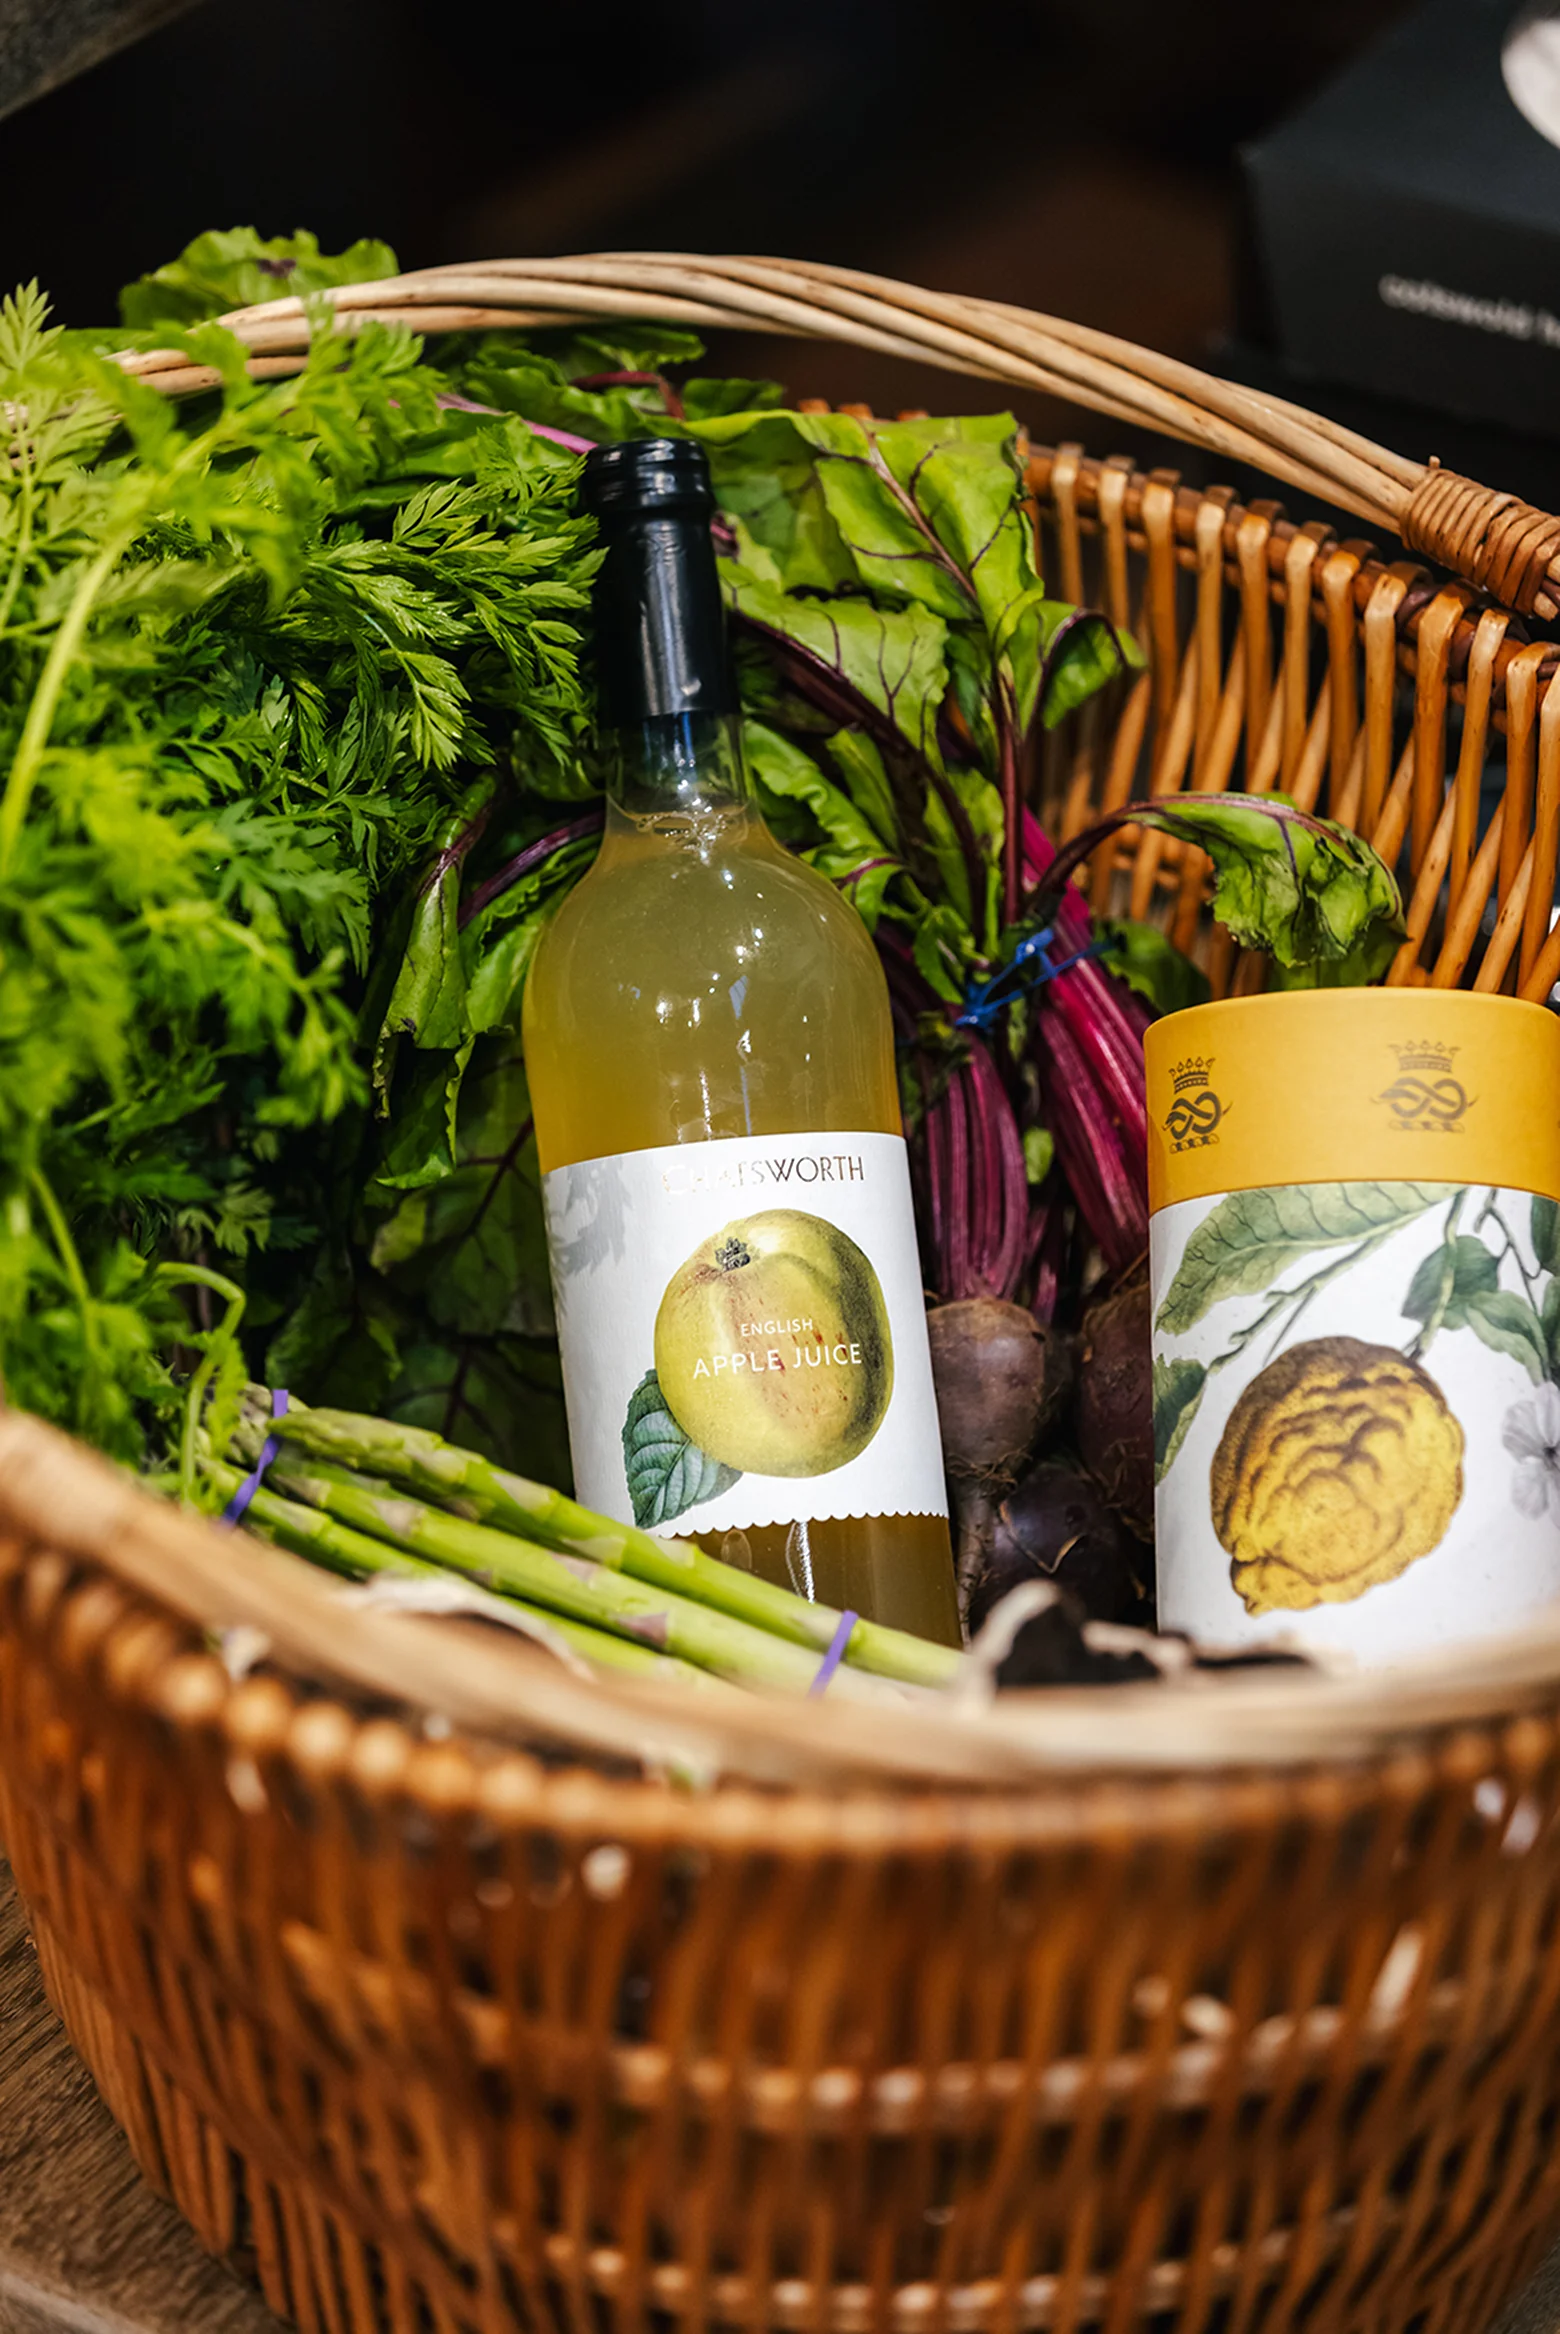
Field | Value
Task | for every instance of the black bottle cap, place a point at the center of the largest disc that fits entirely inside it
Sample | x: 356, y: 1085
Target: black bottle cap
x: 660, y: 627
x: 664, y: 477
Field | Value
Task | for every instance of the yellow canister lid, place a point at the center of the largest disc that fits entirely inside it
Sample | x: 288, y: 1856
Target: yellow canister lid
x: 1344, y: 1085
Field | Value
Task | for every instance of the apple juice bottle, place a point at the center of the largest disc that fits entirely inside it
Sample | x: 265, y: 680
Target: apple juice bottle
x: 711, y: 1062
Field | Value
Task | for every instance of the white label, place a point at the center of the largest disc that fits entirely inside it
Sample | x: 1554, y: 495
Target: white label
x: 1356, y: 1414
x: 743, y: 1333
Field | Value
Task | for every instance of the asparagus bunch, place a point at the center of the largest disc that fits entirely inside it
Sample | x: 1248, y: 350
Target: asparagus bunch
x: 309, y: 1532
x: 342, y: 1490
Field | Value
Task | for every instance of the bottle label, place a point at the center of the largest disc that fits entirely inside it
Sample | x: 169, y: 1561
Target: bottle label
x: 1355, y: 1413
x: 743, y: 1333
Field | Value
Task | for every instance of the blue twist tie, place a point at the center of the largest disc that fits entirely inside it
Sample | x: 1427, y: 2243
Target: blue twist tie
x: 234, y: 1511
x: 835, y: 1655
x: 1030, y: 969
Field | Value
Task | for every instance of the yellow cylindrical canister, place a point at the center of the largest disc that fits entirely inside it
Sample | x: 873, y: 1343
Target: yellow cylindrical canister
x: 1355, y: 1254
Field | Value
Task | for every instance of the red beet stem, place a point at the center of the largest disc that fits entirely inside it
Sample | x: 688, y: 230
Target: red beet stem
x: 973, y: 1182
x: 1111, y: 1193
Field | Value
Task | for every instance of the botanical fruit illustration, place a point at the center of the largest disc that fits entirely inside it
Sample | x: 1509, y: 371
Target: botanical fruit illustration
x: 1340, y: 1466
x: 772, y: 1346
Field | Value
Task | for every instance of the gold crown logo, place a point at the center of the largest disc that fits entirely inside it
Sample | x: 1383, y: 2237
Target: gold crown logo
x: 1192, y: 1072
x: 1425, y: 1060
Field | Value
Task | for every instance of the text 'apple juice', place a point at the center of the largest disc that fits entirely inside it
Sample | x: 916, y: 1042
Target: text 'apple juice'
x: 711, y: 1062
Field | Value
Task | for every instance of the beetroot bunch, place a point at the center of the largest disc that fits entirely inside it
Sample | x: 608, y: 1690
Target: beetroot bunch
x: 1040, y: 1335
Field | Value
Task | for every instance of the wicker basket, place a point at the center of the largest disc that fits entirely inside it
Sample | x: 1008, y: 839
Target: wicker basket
x: 1226, y: 2008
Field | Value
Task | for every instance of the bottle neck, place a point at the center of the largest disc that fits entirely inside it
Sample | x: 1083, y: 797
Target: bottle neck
x: 667, y: 698
x: 687, y: 764
x: 660, y: 625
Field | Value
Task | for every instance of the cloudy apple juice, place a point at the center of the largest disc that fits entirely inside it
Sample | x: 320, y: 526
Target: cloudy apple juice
x: 711, y: 1061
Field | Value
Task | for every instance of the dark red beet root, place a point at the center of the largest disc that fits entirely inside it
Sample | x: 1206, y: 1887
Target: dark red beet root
x: 1001, y: 1379
x: 1054, y: 1525
x: 1115, y: 1407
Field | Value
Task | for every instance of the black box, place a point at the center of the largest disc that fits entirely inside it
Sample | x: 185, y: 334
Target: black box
x: 1406, y: 224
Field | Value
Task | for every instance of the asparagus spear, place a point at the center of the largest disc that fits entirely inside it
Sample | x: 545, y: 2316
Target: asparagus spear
x: 337, y: 1548
x: 567, y: 1584
x: 534, y: 1512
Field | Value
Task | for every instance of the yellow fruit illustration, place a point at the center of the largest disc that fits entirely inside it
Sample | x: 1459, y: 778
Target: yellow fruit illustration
x: 1340, y: 1466
x: 772, y: 1346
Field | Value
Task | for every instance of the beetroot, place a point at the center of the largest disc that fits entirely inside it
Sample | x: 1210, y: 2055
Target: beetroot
x: 1002, y: 1378
x: 1115, y: 1407
x: 1055, y: 1525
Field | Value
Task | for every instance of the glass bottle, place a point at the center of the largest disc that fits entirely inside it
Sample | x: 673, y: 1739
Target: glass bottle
x: 711, y: 1064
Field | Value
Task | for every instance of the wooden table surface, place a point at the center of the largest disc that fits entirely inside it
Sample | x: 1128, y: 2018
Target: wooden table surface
x: 85, y: 2248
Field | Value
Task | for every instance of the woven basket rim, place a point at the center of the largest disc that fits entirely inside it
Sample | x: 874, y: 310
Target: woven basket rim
x: 57, y: 1496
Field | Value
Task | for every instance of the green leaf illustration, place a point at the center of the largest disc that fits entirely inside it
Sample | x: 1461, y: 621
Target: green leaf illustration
x: 667, y: 1473
x: 1546, y: 1234
x: 1549, y: 1316
x: 1508, y: 1324
x: 1178, y: 1388
x: 1448, y: 1279
x: 1242, y: 1246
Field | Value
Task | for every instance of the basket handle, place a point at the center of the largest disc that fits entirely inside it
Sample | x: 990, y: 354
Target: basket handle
x: 1494, y: 541
x: 1497, y: 542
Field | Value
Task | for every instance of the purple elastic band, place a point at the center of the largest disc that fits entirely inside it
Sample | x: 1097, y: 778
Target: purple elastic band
x: 236, y: 1506
x: 835, y: 1655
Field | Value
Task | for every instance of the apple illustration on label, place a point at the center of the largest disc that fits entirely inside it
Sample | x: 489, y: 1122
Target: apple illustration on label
x: 772, y: 1346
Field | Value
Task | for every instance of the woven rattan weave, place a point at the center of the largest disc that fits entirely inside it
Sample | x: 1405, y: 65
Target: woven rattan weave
x: 1205, y: 2012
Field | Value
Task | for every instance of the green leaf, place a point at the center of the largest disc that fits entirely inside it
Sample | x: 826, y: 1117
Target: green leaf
x: 1178, y: 1389
x: 859, y: 761
x: 236, y: 268
x: 497, y: 984
x: 1312, y: 894
x: 419, y: 1140
x: 341, y: 1340
x: 468, y: 1244
x: 928, y: 540
x: 502, y: 1396
x: 623, y: 344
x: 667, y: 1474
x: 499, y: 944
x: 704, y: 399
x: 783, y: 774
x: 766, y: 477
x: 940, y: 943
x: 924, y: 511
x: 1508, y: 1324
x: 1142, y: 956
x: 1549, y: 1317
x: 520, y: 381
x: 1545, y: 1226
x: 1082, y: 653
x: 891, y: 657
x: 428, y: 1002
x: 1039, y: 1153
x: 1245, y: 1242
x: 983, y: 814
x: 1448, y: 1278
